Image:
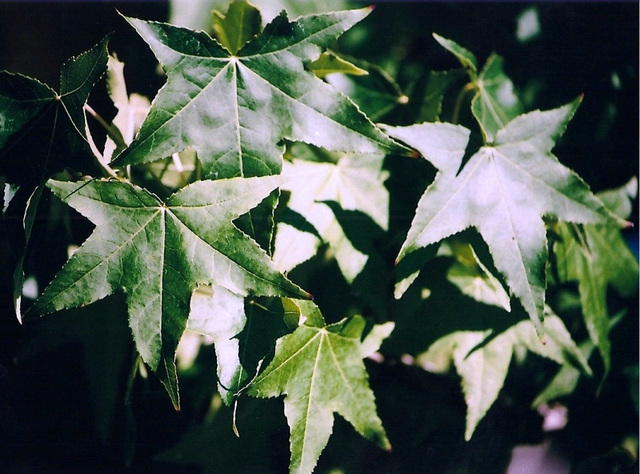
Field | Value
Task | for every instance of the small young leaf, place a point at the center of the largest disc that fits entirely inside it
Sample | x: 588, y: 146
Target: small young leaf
x: 319, y: 369
x: 330, y: 63
x: 495, y: 103
x: 466, y: 57
x: 235, y: 28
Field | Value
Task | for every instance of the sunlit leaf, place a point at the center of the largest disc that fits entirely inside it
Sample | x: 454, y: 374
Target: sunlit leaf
x: 482, y: 360
x: 355, y: 182
x: 158, y: 252
x: 503, y: 191
x: 239, y: 107
x: 319, y: 369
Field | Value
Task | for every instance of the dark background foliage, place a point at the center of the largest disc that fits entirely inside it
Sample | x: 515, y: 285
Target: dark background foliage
x: 47, y: 420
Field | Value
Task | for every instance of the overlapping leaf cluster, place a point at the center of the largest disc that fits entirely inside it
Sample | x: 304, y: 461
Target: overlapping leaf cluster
x: 248, y: 165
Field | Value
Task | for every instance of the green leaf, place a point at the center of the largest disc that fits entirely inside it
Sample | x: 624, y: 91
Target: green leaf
x: 239, y: 107
x: 472, y: 277
x: 330, y: 63
x: 132, y: 110
x: 466, y: 57
x: 235, y: 28
x: 379, y: 96
x: 42, y: 131
x: 495, y: 103
x: 158, y: 252
x: 319, y: 369
x: 219, y: 314
x: 482, y: 360
x: 597, y: 257
x: 376, y: 93
x: 355, y: 182
x: 503, y: 191
x: 566, y: 380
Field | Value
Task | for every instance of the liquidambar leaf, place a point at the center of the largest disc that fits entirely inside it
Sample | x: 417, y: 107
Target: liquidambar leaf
x: 598, y: 257
x: 158, y: 252
x: 355, y: 182
x: 236, y: 109
x: 503, y: 191
x: 320, y: 370
x: 241, y: 23
x: 331, y: 63
x: 482, y: 361
x: 219, y: 314
x: 42, y: 131
x: 495, y: 103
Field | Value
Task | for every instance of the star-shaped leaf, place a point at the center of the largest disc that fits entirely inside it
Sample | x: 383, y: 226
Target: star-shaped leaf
x: 597, y: 257
x: 320, y: 370
x: 158, y: 252
x: 495, y: 103
x: 42, y: 131
x: 235, y: 109
x: 503, y: 191
x: 482, y: 360
x: 355, y: 182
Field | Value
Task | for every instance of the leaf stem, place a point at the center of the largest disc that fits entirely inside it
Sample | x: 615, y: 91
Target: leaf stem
x: 112, y: 131
x: 108, y: 171
x: 470, y: 86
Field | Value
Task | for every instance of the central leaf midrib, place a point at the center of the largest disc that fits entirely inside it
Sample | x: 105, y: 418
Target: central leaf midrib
x: 495, y: 169
x: 307, y: 409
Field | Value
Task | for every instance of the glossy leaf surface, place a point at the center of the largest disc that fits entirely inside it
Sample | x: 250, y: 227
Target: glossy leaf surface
x: 235, y: 109
x: 503, y: 191
x: 320, y: 370
x: 157, y: 252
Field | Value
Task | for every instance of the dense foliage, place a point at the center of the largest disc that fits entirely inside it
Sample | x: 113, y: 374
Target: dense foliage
x: 340, y: 224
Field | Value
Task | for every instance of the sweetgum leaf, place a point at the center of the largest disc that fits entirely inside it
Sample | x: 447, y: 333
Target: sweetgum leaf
x: 466, y: 57
x: 236, y: 109
x: 355, y: 182
x: 42, y: 131
x: 597, y: 257
x: 495, y: 103
x: 319, y: 369
x: 503, y: 191
x: 241, y: 23
x: 331, y: 63
x: 158, y: 252
x: 482, y: 360
x: 472, y: 277
x: 566, y: 380
x: 220, y: 315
